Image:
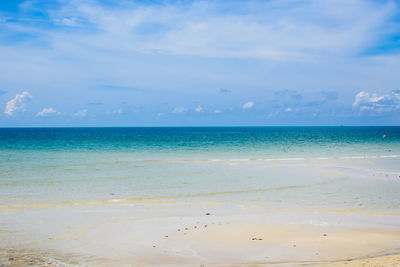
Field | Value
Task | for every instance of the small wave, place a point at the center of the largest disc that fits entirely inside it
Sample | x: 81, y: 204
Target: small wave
x: 234, y: 161
x: 290, y: 159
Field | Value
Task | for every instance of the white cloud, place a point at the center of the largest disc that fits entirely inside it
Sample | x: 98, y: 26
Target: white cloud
x: 248, y: 105
x: 378, y: 103
x: 276, y: 29
x: 217, y: 111
x: 178, y: 110
x: 289, y: 109
x: 81, y: 113
x: 198, y: 109
x: 18, y: 103
x: 71, y: 22
x: 46, y: 112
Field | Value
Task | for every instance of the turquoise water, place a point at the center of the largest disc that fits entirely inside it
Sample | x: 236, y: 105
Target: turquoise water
x: 260, y: 164
x: 263, y: 140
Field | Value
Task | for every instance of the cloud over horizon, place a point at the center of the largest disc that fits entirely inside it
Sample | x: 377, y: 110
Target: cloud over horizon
x: 47, y: 111
x: 81, y: 113
x: 365, y: 101
x: 18, y: 103
x: 248, y: 105
x: 236, y: 29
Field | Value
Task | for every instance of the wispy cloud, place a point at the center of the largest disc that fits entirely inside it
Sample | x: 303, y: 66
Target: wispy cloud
x: 47, y: 112
x: 236, y: 29
x: 81, y: 113
x: 71, y: 22
x: 18, y: 103
x: 248, y: 105
x: 198, y: 109
x: 117, y: 111
x: 178, y: 110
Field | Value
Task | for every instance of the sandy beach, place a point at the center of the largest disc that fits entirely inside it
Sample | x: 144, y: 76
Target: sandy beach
x: 188, y: 233
x: 211, y: 241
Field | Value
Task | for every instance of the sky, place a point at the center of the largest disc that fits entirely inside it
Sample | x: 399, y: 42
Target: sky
x: 199, y: 63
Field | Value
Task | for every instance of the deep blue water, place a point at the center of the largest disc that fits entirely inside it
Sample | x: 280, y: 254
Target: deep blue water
x: 197, y: 138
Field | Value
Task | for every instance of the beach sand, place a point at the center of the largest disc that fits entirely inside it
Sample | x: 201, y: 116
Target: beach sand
x: 391, y: 260
x: 214, y: 238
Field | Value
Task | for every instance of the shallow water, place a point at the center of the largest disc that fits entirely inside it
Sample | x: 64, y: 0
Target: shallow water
x: 206, y: 163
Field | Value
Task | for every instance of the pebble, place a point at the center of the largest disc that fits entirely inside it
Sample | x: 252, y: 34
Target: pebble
x: 208, y: 213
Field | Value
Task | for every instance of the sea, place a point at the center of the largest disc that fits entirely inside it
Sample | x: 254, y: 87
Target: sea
x: 199, y: 163
x: 116, y: 193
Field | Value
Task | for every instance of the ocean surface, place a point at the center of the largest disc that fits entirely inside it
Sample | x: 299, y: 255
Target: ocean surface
x: 289, y: 167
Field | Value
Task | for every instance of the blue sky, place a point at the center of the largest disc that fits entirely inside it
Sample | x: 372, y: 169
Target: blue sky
x: 194, y: 63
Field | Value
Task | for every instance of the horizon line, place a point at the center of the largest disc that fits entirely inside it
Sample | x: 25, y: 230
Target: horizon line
x: 199, y: 126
